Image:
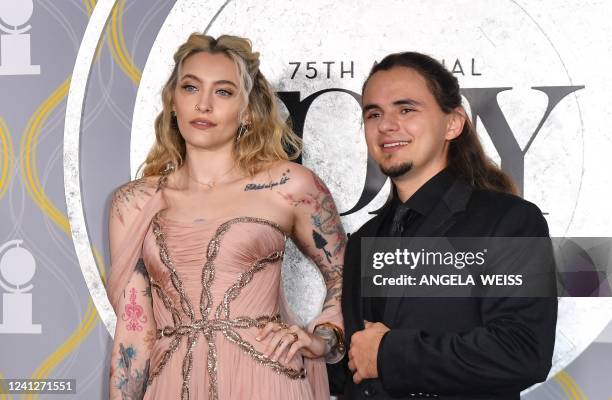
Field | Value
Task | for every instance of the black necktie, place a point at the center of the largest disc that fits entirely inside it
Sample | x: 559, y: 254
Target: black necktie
x: 399, y: 217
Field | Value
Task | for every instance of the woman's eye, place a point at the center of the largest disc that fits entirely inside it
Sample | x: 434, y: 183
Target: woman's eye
x: 224, y: 92
x: 189, y: 88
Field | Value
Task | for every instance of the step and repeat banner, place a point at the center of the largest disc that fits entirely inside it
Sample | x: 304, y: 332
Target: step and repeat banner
x: 80, y: 87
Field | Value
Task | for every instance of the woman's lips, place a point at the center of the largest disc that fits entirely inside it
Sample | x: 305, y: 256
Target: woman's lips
x: 202, y: 124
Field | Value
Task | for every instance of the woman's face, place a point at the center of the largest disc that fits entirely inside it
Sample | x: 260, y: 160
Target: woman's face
x: 207, y: 101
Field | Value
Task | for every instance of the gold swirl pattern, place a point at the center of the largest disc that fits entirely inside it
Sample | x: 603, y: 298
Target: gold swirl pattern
x: 79, y: 334
x: 7, y: 160
x: 29, y: 171
x: 89, y: 6
x: 569, y: 386
x: 221, y: 322
x: 3, y: 394
x: 30, y: 176
x: 117, y: 45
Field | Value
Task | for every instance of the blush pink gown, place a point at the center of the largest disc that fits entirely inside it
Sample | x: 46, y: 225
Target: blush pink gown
x: 213, y: 282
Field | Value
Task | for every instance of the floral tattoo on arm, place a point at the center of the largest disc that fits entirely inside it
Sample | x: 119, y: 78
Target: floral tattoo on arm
x: 131, y: 382
x: 328, y: 237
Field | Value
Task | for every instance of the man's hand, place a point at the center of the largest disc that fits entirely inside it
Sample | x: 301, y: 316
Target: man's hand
x: 363, y: 353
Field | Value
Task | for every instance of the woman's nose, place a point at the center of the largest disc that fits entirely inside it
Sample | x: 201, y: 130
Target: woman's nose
x: 204, y: 104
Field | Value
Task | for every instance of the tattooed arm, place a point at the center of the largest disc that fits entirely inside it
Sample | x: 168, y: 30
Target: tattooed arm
x: 319, y: 234
x: 134, y: 336
x: 135, y: 330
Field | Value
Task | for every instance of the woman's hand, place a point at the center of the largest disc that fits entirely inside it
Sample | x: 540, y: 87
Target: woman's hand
x: 289, y: 340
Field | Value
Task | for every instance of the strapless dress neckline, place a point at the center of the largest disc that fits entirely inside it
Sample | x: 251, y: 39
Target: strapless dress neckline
x: 221, y: 220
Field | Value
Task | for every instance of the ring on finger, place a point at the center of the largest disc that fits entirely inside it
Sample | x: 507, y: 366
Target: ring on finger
x: 277, y: 346
x: 295, y: 336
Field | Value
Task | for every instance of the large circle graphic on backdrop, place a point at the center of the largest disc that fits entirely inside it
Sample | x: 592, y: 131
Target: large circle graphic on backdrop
x: 72, y: 176
x: 482, y: 39
x: 350, y: 36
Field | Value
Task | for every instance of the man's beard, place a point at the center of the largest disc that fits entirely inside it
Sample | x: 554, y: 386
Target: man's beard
x: 395, y: 171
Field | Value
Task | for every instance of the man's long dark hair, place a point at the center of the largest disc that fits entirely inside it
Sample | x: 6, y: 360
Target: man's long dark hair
x: 466, y: 157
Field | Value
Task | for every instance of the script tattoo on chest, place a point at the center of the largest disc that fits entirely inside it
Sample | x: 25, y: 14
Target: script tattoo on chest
x: 268, y: 185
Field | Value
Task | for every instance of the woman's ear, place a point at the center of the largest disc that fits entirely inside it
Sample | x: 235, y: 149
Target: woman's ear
x: 246, y: 118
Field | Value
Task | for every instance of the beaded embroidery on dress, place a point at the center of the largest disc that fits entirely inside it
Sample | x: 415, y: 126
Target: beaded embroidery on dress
x: 214, y: 283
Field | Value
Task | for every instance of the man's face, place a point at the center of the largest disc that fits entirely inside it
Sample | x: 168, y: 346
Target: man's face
x: 405, y: 129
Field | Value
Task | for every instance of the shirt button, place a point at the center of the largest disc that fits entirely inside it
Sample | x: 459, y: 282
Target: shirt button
x: 369, y: 391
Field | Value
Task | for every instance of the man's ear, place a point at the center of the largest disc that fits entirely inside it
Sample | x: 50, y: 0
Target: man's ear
x: 456, y: 120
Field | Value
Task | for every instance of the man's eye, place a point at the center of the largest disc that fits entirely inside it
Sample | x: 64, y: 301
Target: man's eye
x: 224, y: 92
x: 189, y: 88
x: 373, y: 115
x: 406, y: 110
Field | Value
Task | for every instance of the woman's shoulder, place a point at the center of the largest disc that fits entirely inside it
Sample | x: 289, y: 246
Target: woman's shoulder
x: 296, y: 178
x: 132, y: 196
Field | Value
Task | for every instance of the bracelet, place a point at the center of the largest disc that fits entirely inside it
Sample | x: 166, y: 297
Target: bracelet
x: 335, y: 342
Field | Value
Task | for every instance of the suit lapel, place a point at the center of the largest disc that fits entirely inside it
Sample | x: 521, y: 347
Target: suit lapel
x: 355, y: 298
x: 435, y: 224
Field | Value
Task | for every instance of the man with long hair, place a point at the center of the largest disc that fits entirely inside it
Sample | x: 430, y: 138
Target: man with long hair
x: 443, y: 184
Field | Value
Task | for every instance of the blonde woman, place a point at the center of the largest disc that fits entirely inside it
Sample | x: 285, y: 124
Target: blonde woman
x: 197, y: 244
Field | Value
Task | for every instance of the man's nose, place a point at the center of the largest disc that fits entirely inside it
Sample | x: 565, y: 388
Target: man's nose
x: 388, y: 124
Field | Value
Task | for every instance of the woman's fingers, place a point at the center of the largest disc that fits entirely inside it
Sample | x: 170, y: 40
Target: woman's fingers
x: 273, y: 341
x: 267, y: 329
x: 287, y: 339
x: 302, y: 341
x: 276, y: 330
x: 295, y: 347
x: 281, y: 339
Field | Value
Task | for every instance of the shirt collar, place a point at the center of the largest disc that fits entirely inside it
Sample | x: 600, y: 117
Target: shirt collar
x: 425, y: 198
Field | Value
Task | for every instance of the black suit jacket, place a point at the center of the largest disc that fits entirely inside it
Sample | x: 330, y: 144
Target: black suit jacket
x: 454, y: 348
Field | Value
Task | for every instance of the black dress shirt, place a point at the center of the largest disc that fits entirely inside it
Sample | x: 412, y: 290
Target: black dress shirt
x: 409, y: 215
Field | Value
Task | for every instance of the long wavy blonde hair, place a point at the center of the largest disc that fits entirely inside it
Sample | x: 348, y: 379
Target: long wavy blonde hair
x: 268, y: 139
